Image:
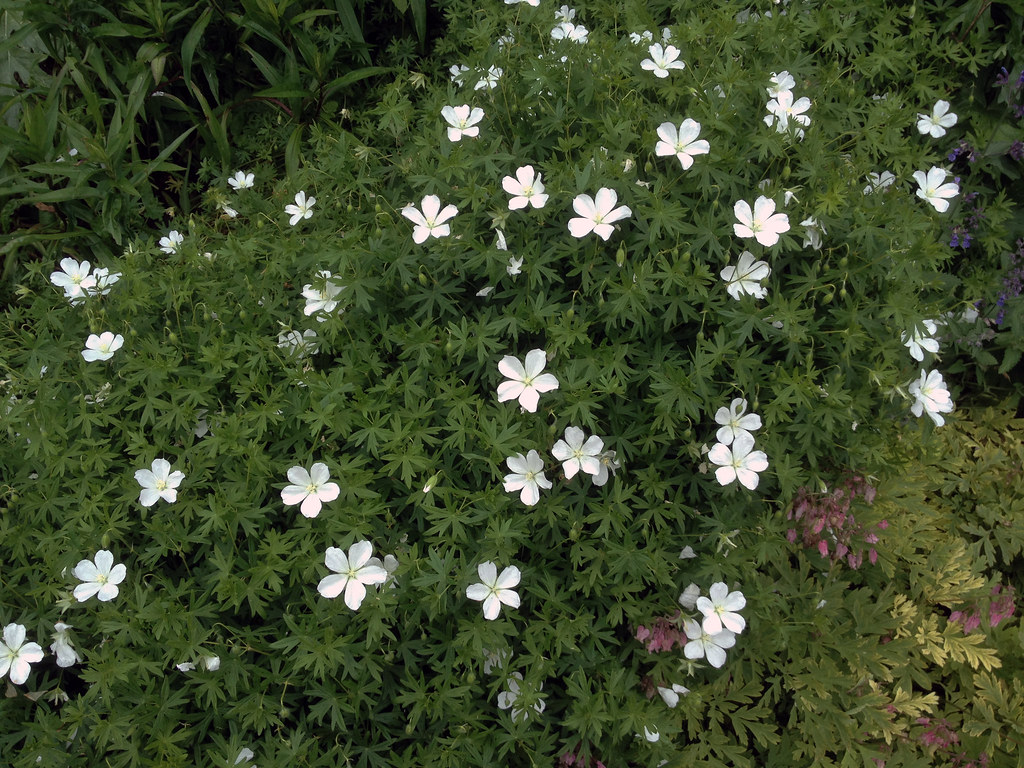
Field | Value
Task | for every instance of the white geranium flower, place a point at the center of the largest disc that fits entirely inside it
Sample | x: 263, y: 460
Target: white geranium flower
x: 242, y: 180
x: 705, y: 645
x: 296, y: 344
x: 663, y: 60
x: 496, y: 660
x: 351, y: 574
x: 302, y: 209
x: 310, y: 489
x: 565, y: 13
x: 671, y: 695
x: 102, y: 347
x: 458, y: 73
x: 738, y: 462
x: 746, y: 276
x: 103, y: 280
x: 74, y: 279
x: 577, y: 452
x: 245, y: 755
x: 493, y: 589
x: 597, y: 214
x: 780, y: 82
x: 99, y: 577
x: 687, y: 553
x: 782, y: 109
x: 651, y: 734
x: 321, y: 302
x: 812, y: 233
x: 490, y: 78
x: 762, y: 223
x: 533, y: 3
x: 170, y: 243
x: 688, y: 597
x: 735, y: 420
x: 609, y: 466
x: 507, y: 699
x: 566, y: 30
x: 526, y: 188
x: 719, y: 609
x: 462, y: 121
x: 17, y: 656
x: 938, y: 121
x: 931, y: 397
x: 527, y: 477
x: 878, y: 182
x: 431, y: 222
x: 918, y: 342
x: 525, y: 381
x: 63, y: 648
x: 681, y: 142
x: 158, y: 483
x: 933, y: 190
x: 515, y: 265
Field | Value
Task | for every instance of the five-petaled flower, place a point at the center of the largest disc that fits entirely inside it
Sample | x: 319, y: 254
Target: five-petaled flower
x: 102, y: 347
x: 99, y: 577
x: 302, y: 209
x: 918, y: 342
x: 662, y: 60
x: 933, y: 190
x: 490, y: 79
x: 719, y: 609
x: 780, y: 82
x: 783, y: 109
x: 735, y: 420
x: 321, y: 302
x: 297, y: 344
x: 878, y: 182
x: 577, y: 452
x: 74, y: 279
x: 566, y: 30
x: 431, y: 222
x: 938, y: 121
x: 158, y: 483
x: 526, y: 188
x: 310, y: 489
x: 762, y: 223
x: 462, y: 121
x: 681, y: 142
x: 494, y: 589
x: 507, y: 699
x: 596, y: 214
x: 170, y: 243
x: 931, y: 397
x: 746, y: 276
x: 705, y: 645
x: 63, y: 648
x: 527, y: 477
x: 352, y: 573
x: 525, y: 382
x: 738, y: 461
x: 17, y: 656
x: 241, y: 180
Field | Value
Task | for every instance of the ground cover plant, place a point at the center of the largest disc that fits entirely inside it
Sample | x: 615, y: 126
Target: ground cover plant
x: 593, y: 396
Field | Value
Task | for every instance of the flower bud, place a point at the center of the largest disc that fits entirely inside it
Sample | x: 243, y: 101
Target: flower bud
x: 620, y: 255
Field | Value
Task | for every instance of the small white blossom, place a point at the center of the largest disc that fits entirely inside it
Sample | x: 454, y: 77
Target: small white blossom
x: 524, y: 381
x: 104, y: 280
x: 651, y: 734
x: 671, y: 695
x: 241, y: 180
x: 878, y: 182
x: 431, y: 222
x: 462, y: 121
x: 507, y: 699
x: 739, y: 461
x: 735, y: 420
x: 596, y: 214
x: 780, y: 82
x: 458, y: 73
x: 102, y: 347
x: 302, y: 209
x: 75, y: 279
x: 931, y: 397
x: 938, y: 121
x: 933, y: 190
x: 609, y: 466
x: 490, y: 78
x: 704, y: 645
x: 663, y: 60
x: 17, y: 656
x: 321, y: 302
x: 310, y: 488
x: 526, y: 188
x: 299, y: 345
x: 62, y: 646
x: 782, y: 109
x: 688, y: 597
x: 527, y: 477
x: 918, y: 342
x: 496, y: 660
x: 681, y: 142
x: 99, y: 577
x: 577, y: 452
x: 170, y: 243
x: 813, y: 233
x: 746, y: 276
x: 495, y: 590
x: 566, y: 30
x: 720, y: 609
x: 245, y: 755
x: 515, y: 265
x: 761, y: 223
x: 158, y: 483
x: 687, y: 553
x: 352, y: 573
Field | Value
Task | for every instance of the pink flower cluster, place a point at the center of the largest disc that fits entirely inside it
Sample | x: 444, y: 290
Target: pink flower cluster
x: 1000, y: 607
x: 663, y: 635
x: 939, y: 737
x: 572, y: 759
x: 830, y: 527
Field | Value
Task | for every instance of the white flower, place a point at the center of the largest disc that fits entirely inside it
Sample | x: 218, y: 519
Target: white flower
x: 525, y: 382
x: 310, y: 489
x: 931, y: 397
x: 762, y: 223
x: 302, y: 209
x: 688, y: 597
x: 486, y: 291
x: 597, y: 214
x: 938, y: 121
x: 637, y: 38
x: 490, y: 78
x: 779, y: 82
x: 494, y: 590
x: 228, y: 210
x: 738, y: 462
x: 458, y: 73
x: 735, y: 420
x: 609, y: 466
x: 62, y: 646
x: 533, y: 3
x: 704, y: 645
x: 99, y: 577
x: 878, y: 182
x: 565, y: 13
x: 933, y: 190
x: 681, y: 142
x: 241, y: 180
x: 651, y: 734
x: 185, y: 666
x: 74, y: 279
x: 671, y: 695
x: 352, y: 573
x: 298, y: 344
x: 462, y: 121
x: 170, y: 243
x: 102, y: 347
x: 17, y: 656
x: 577, y: 33
x: 813, y: 233
x: 245, y: 755
x: 687, y: 553
x: 917, y: 342
x: 527, y: 477
x: 506, y: 699
x: 103, y: 280
x: 158, y: 483
x: 746, y: 277
x: 719, y: 609
x: 526, y: 188
x: 495, y: 659
x: 431, y: 222
x: 577, y: 452
x: 321, y: 302
x: 662, y: 60
x: 514, y: 265
x: 783, y: 109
